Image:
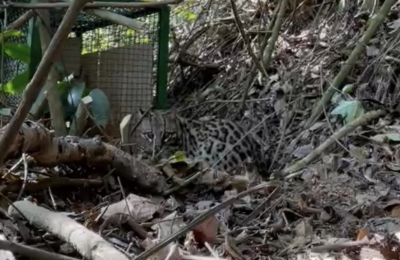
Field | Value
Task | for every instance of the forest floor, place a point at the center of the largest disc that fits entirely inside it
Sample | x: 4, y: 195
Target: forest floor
x: 337, y: 186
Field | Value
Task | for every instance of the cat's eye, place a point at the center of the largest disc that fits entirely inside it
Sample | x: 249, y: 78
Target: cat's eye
x: 149, y: 135
x: 167, y: 136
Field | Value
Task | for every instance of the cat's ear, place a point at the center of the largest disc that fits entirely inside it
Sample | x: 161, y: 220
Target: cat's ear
x: 140, y: 113
x: 173, y: 113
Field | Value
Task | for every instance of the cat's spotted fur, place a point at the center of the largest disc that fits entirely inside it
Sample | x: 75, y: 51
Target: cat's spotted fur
x: 203, y: 140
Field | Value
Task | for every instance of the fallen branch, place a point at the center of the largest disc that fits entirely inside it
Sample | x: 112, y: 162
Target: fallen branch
x: 336, y: 136
x: 33, y: 88
x: 348, y: 65
x: 86, y: 242
x: 92, y: 5
x: 4, y: 252
x: 49, y: 151
x: 32, y: 252
x: 44, y: 183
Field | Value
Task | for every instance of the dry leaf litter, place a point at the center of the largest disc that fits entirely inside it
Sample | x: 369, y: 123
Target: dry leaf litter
x: 343, y: 205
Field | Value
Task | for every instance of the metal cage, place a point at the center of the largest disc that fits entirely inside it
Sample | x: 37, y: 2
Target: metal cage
x: 129, y: 66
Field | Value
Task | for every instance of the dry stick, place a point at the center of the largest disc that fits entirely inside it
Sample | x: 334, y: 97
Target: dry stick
x: 274, y: 36
x: 92, y: 5
x: 32, y: 252
x: 269, y: 31
x: 375, y: 23
x: 246, y: 39
x: 214, y: 210
x: 87, y: 243
x: 21, y: 20
x: 336, y: 136
x: 33, y: 88
x: 268, y: 51
x: 340, y: 246
x: 50, y: 91
x: 259, y: 208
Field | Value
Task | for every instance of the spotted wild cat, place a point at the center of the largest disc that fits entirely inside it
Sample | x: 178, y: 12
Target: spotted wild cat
x: 203, y: 140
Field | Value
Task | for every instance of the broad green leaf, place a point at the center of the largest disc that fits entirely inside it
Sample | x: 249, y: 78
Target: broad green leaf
x: 349, y: 88
x: 99, y: 108
x: 5, y: 111
x: 383, y: 138
x: 11, y: 33
x: 75, y: 93
x: 178, y: 156
x: 17, y: 84
x: 349, y: 110
x: 17, y: 51
x: 357, y: 152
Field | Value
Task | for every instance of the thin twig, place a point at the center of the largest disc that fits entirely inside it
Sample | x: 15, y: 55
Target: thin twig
x: 25, y: 176
x: 275, y: 32
x: 246, y: 40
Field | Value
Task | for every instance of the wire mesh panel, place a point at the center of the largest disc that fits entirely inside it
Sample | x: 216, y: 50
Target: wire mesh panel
x: 9, y: 67
x: 116, y: 59
x: 121, y: 61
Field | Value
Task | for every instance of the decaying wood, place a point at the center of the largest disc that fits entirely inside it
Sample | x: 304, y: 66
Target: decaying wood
x: 33, y: 88
x: 86, y: 242
x: 49, y: 150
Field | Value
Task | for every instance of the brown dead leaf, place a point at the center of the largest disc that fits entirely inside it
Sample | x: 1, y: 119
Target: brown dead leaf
x: 370, y: 253
x: 206, y: 231
x: 395, y: 213
x: 362, y: 232
x: 390, y: 250
x: 142, y: 209
x: 304, y: 229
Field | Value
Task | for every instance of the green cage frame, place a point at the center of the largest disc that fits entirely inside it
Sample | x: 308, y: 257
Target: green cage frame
x: 160, y: 101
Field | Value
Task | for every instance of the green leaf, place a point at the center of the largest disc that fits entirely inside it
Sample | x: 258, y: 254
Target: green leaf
x: 17, y: 51
x: 5, y: 111
x: 383, y: 138
x: 99, y: 107
x: 129, y: 32
x: 75, y: 93
x: 349, y: 110
x: 349, y: 88
x: 178, y: 156
x: 17, y: 84
x: 11, y: 33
